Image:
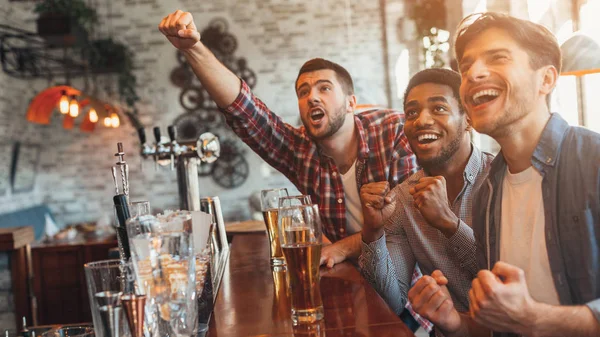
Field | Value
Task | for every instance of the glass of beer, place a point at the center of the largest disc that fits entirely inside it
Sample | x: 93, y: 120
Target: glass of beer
x: 294, y: 200
x: 301, y: 241
x: 269, y: 204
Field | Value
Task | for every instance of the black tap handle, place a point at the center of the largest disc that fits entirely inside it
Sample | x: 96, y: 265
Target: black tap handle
x: 142, y: 135
x: 172, y: 132
x: 157, y: 134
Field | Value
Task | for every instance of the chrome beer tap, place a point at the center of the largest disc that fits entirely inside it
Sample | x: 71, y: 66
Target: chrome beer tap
x: 183, y: 156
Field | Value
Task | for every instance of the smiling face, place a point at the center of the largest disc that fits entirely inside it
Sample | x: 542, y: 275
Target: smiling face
x: 499, y: 87
x: 323, y: 105
x: 435, y: 127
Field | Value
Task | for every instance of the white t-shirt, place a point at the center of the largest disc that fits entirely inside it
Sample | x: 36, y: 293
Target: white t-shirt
x: 522, y: 234
x: 354, y: 215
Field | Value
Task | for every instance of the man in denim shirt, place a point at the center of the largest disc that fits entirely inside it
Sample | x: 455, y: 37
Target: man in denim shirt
x: 537, y: 220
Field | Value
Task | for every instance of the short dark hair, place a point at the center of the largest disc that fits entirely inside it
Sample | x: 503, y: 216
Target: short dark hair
x: 437, y: 76
x: 537, y: 40
x: 343, y: 76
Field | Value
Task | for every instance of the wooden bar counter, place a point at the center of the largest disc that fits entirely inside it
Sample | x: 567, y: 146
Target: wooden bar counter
x: 252, y: 300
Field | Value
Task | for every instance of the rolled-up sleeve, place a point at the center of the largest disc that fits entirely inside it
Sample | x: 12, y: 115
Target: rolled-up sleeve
x: 595, y: 308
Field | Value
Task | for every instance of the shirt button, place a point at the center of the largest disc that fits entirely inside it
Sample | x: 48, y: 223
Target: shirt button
x: 340, y: 200
x: 548, y: 160
x: 462, y: 265
x: 378, y: 251
x: 334, y: 174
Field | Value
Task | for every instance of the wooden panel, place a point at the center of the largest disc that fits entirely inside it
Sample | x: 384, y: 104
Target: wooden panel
x: 19, y: 266
x: 252, y: 299
x: 12, y: 238
x: 59, y: 280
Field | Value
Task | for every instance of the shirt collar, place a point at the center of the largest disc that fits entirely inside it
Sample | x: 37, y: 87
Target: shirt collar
x: 471, y: 169
x: 473, y: 165
x: 363, y: 146
x: 546, y: 151
x: 548, y: 148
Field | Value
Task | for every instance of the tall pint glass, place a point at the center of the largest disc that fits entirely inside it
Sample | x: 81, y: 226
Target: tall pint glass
x: 269, y: 204
x: 301, y: 241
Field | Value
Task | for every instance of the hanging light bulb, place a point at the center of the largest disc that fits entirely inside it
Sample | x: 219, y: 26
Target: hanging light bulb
x: 73, y: 107
x: 93, y: 115
x: 63, y: 103
x: 115, y: 122
x: 107, y: 121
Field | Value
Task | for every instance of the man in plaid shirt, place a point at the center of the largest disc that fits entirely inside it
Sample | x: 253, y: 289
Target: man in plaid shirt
x: 332, y: 155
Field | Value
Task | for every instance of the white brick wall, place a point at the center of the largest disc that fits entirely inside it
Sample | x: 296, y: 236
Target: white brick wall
x: 275, y: 36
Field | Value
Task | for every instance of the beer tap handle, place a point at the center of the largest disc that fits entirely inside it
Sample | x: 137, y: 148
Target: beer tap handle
x: 157, y: 134
x: 171, y: 132
x: 157, y: 138
x: 142, y: 135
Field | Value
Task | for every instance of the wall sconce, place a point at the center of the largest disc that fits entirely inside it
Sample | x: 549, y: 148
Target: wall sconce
x: 93, y: 115
x: 63, y: 103
x: 115, y: 122
x: 73, y: 107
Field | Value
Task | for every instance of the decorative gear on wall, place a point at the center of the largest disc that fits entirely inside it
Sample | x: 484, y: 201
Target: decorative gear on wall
x: 201, y: 113
x: 232, y: 169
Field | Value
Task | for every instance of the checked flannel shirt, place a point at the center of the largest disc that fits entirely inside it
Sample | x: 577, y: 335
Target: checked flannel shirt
x: 384, y: 154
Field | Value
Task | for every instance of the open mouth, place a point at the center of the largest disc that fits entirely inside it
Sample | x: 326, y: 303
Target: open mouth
x: 317, y: 115
x: 427, y: 138
x: 485, y: 96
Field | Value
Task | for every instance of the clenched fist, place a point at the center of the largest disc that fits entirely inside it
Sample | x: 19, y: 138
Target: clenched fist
x: 431, y: 199
x: 378, y: 204
x: 180, y: 30
x: 430, y: 298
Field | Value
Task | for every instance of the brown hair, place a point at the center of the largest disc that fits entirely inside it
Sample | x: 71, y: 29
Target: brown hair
x: 537, y: 40
x: 341, y: 73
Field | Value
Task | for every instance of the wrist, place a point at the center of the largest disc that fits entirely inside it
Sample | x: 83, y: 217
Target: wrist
x: 449, y: 225
x: 197, y: 50
x: 534, y: 321
x: 372, y: 234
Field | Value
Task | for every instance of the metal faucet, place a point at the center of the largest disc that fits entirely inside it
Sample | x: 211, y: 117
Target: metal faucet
x: 185, y: 156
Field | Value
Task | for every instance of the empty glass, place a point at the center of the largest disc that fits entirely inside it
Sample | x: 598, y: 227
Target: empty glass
x: 301, y: 242
x: 105, y: 281
x: 138, y: 208
x: 165, y: 268
x: 269, y: 204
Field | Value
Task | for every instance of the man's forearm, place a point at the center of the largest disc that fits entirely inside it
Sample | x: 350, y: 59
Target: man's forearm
x: 565, y: 321
x: 468, y: 328
x: 222, y: 85
x: 351, y: 246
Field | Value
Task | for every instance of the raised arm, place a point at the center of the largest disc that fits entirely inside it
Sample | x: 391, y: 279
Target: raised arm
x: 222, y: 85
x: 278, y: 143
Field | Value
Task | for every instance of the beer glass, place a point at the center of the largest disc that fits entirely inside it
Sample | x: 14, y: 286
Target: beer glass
x: 294, y: 200
x: 269, y: 204
x: 301, y: 241
x: 105, y: 282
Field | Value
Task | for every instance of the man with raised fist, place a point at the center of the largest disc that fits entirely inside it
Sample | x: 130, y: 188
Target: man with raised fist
x: 426, y: 220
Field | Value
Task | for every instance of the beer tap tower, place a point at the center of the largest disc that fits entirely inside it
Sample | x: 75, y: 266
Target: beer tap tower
x: 185, y: 157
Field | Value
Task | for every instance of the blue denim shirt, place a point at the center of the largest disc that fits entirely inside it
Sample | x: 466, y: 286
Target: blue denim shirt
x: 568, y: 158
